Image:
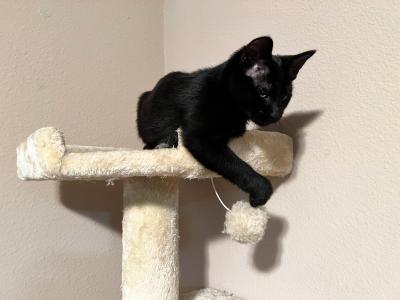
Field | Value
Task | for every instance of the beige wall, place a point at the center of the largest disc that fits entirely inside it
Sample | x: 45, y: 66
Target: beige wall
x: 78, y: 65
x: 335, y: 228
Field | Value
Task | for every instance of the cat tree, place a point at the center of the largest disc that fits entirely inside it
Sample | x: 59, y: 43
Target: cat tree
x: 150, y: 235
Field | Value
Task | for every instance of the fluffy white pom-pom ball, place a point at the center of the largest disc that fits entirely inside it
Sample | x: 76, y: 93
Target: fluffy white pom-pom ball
x: 245, y: 223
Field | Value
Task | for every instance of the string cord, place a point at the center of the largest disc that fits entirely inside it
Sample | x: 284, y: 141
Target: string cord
x: 216, y: 194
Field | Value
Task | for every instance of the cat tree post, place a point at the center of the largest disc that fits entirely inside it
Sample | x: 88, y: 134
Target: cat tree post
x: 150, y: 265
x: 150, y: 268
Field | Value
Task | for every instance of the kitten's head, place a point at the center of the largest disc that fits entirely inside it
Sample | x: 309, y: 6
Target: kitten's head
x: 271, y: 76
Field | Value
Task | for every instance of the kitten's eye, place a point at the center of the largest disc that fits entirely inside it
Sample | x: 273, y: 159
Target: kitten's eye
x: 263, y: 93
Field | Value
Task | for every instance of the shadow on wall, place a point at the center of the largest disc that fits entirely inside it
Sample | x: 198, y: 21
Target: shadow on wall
x: 95, y: 200
x: 293, y: 125
x: 57, y: 283
x: 201, y: 221
x: 268, y: 252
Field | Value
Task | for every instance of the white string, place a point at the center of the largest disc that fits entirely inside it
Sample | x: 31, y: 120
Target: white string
x: 219, y: 198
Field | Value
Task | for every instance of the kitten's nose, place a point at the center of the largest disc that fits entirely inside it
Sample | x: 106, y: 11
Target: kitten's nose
x: 275, y: 113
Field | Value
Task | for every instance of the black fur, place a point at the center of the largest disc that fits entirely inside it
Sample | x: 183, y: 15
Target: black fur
x: 213, y: 106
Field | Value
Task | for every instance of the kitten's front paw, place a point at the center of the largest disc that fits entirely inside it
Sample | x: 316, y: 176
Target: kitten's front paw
x: 262, y: 193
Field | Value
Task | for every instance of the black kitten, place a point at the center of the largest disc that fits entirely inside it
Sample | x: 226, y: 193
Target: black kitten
x: 213, y: 105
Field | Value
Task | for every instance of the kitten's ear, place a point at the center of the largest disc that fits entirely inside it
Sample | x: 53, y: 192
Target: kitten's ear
x: 259, y: 48
x: 296, y: 62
